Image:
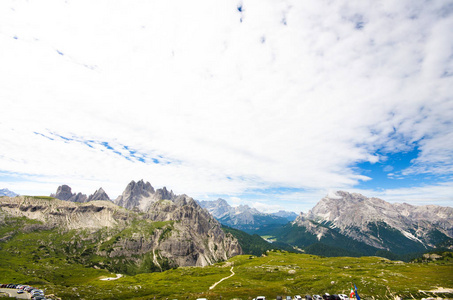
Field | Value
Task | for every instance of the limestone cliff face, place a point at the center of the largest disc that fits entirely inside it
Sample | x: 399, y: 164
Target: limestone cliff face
x: 172, y: 233
x: 198, y: 237
x: 66, y: 214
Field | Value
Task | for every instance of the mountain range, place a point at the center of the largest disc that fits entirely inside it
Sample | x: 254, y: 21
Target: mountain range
x: 161, y: 234
x: 341, y: 224
x: 245, y: 218
x: 353, y: 224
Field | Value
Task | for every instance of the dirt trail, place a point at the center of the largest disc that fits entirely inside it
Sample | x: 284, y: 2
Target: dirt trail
x: 118, y: 276
x: 214, y: 285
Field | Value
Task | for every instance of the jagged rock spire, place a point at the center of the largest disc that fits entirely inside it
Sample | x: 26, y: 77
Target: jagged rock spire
x: 100, y: 194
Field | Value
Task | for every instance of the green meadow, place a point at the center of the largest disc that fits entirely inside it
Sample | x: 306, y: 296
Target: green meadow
x: 276, y: 273
x: 66, y: 264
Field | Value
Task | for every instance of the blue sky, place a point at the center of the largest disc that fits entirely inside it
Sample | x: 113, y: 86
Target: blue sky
x: 273, y: 104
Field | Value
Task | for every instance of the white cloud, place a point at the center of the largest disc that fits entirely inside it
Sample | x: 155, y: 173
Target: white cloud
x: 439, y: 194
x: 293, y: 96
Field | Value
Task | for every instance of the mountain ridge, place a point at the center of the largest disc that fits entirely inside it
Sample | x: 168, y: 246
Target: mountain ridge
x: 244, y: 217
x: 378, y: 223
x: 8, y: 193
x: 173, y: 233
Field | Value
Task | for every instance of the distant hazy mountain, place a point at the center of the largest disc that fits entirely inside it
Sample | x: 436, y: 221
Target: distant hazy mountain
x: 6, y: 192
x: 399, y: 228
x: 244, y: 217
x: 289, y: 215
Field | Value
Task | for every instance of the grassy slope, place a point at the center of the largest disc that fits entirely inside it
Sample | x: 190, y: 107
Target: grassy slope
x: 254, y: 244
x: 55, y: 261
x: 278, y: 273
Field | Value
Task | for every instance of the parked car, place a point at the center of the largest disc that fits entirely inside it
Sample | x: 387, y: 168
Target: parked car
x: 20, y: 291
x: 326, y: 296
x: 297, y: 297
x: 308, y: 297
x: 317, y: 297
x: 334, y: 297
x: 343, y: 297
x: 289, y: 298
x: 260, y: 298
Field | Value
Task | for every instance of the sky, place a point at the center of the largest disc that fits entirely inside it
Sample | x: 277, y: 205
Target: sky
x: 270, y: 103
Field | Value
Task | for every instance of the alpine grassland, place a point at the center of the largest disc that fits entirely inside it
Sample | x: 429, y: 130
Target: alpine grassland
x: 70, y: 264
x: 25, y: 260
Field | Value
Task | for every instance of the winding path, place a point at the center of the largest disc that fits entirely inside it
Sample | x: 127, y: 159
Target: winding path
x: 118, y: 276
x: 214, y: 285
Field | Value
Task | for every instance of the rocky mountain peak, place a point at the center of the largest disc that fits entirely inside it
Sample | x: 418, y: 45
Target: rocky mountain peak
x: 64, y: 192
x: 185, y: 235
x: 242, y: 217
x: 140, y: 195
x: 8, y: 193
x: 100, y: 194
x: 164, y: 194
x: 367, y: 219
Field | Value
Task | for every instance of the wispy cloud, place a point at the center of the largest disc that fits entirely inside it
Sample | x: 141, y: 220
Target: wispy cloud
x: 223, y: 98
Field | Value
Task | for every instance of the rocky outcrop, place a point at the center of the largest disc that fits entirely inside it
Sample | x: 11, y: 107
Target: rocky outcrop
x: 176, y: 232
x: 141, y: 195
x: 64, y: 193
x: 378, y: 223
x: 66, y: 214
x: 197, y: 237
x: 100, y: 194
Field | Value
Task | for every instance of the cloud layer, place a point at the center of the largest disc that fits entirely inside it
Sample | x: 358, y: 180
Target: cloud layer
x: 222, y: 98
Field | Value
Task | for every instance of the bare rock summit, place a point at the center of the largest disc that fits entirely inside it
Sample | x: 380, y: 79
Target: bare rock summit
x: 141, y: 195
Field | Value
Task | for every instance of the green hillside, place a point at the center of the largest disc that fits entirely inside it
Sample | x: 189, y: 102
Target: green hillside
x: 254, y: 244
x: 65, y: 264
x: 276, y: 273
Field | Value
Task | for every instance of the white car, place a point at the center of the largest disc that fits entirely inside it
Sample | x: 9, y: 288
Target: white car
x: 297, y: 297
x: 343, y: 297
x: 317, y: 297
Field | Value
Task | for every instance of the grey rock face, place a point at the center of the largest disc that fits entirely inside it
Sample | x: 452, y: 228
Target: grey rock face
x: 164, y: 194
x: 174, y: 232
x: 64, y: 193
x: 99, y: 195
x: 141, y: 195
x: 360, y: 218
x: 196, y: 233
